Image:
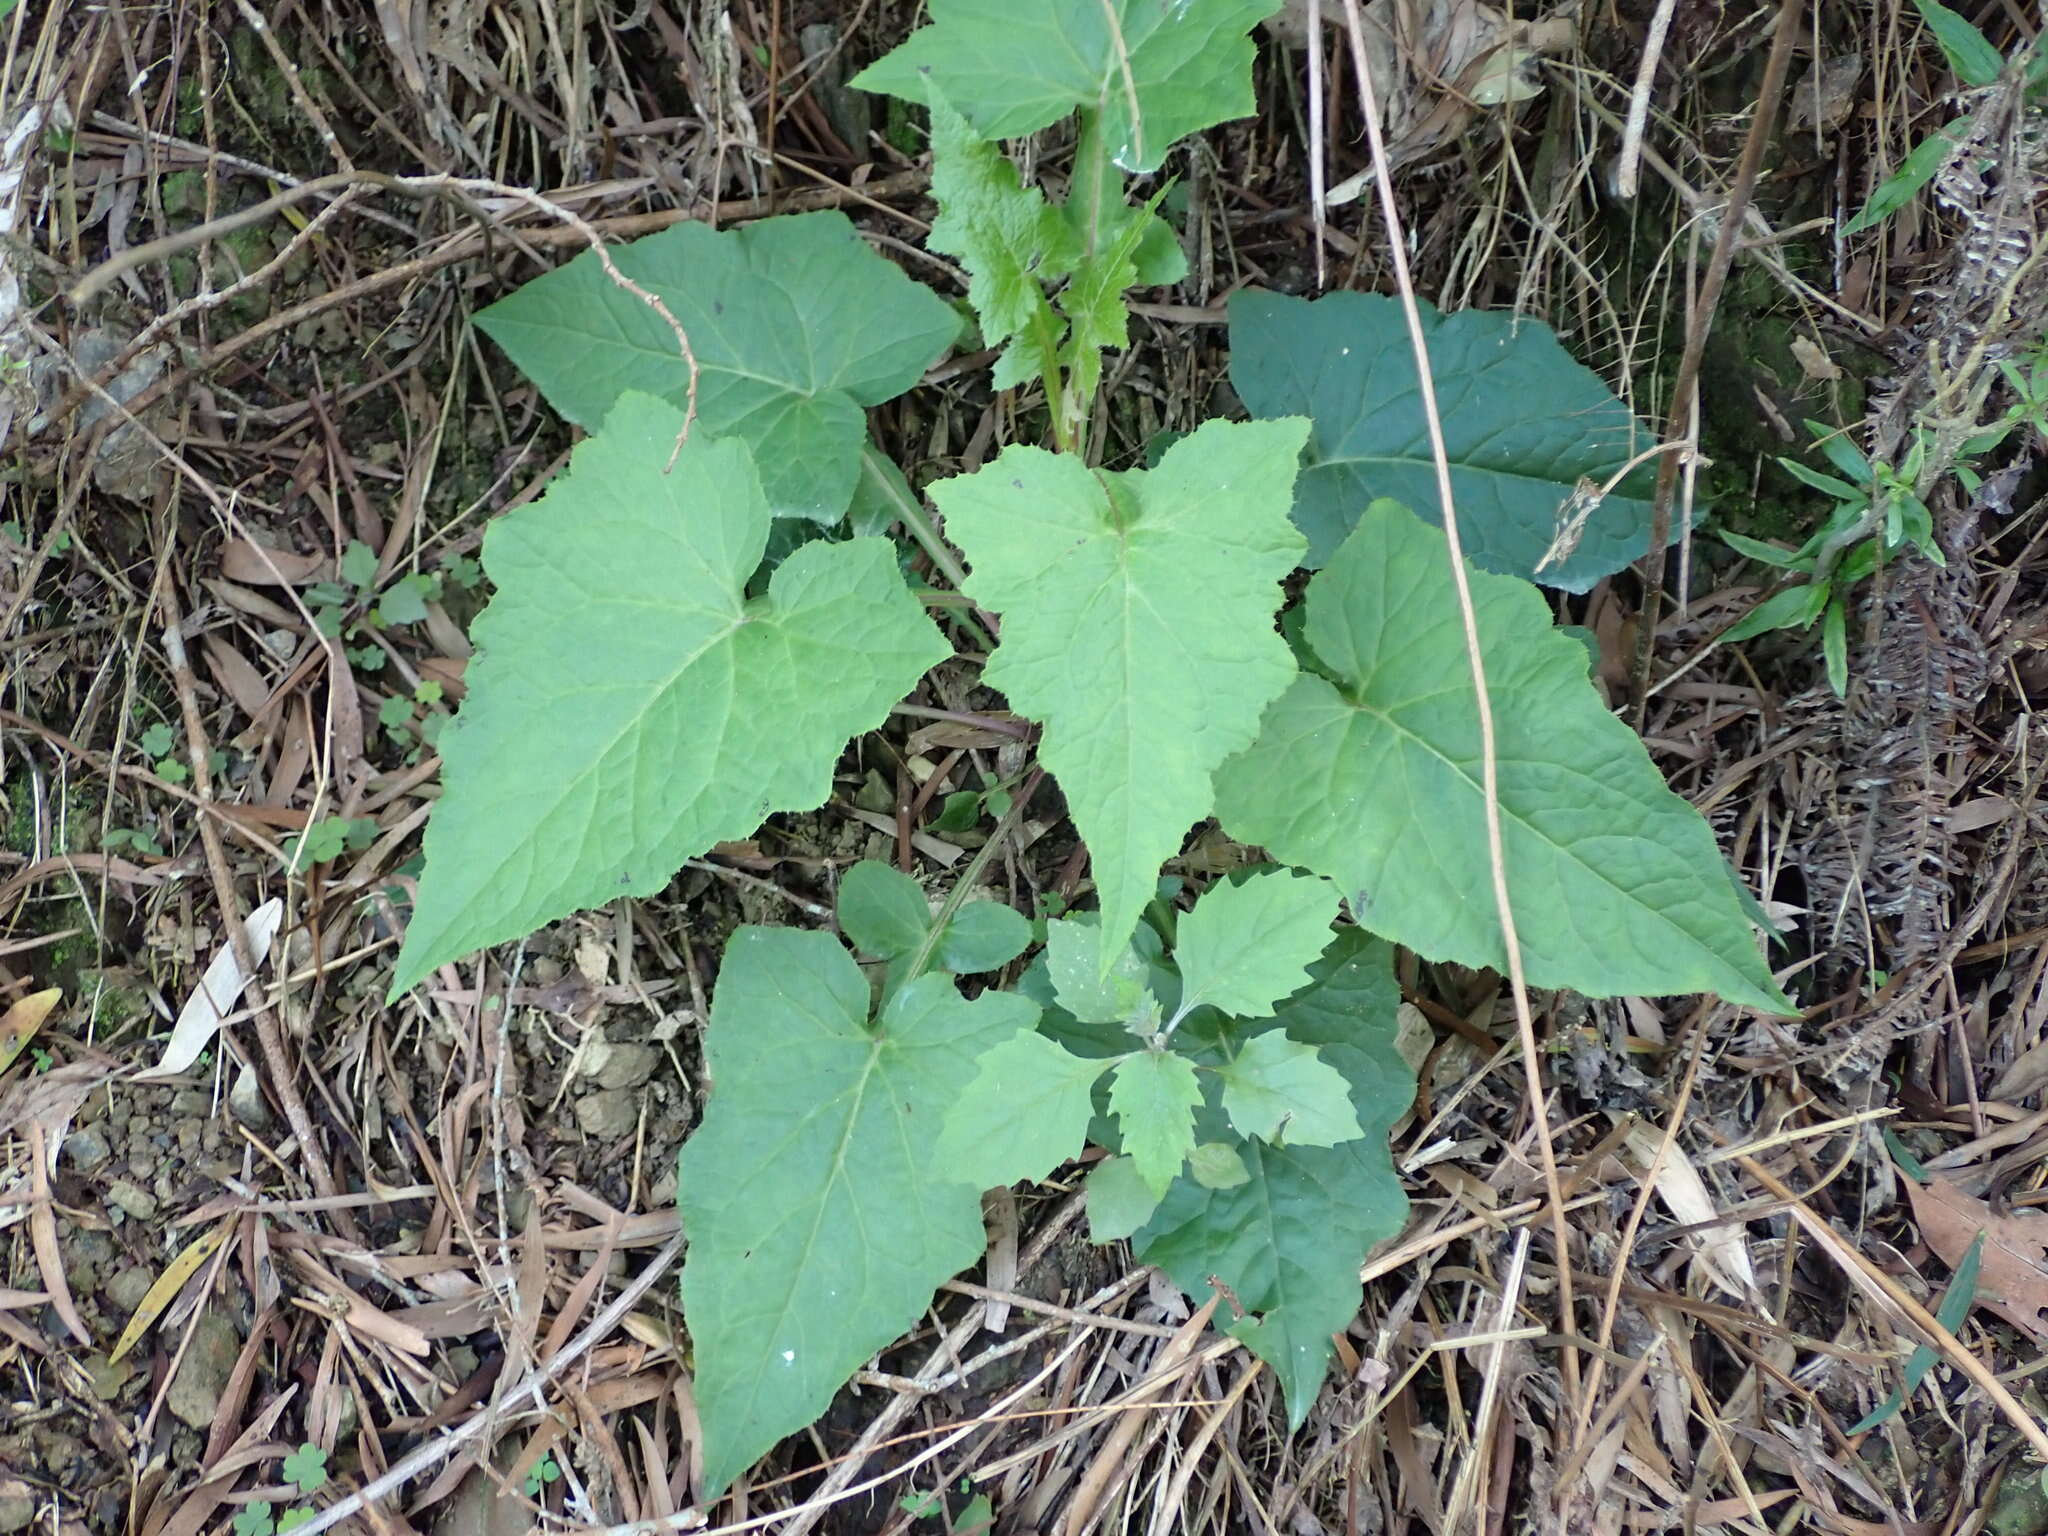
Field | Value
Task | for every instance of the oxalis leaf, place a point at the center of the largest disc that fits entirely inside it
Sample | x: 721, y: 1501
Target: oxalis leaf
x: 1289, y: 1240
x: 1137, y: 625
x: 628, y: 708
x: 1523, y: 424
x: 820, y: 1220
x: 1374, y: 780
x: 1155, y: 72
x: 796, y: 324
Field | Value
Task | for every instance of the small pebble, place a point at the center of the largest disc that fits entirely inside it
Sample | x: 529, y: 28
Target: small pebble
x: 131, y: 1200
x: 609, y: 1113
x: 87, y: 1148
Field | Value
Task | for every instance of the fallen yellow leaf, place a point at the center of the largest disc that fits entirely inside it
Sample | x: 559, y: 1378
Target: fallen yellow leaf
x: 169, y: 1283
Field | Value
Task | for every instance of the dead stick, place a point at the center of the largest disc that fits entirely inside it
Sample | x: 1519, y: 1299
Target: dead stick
x: 1874, y: 1282
x: 1698, y: 324
x: 269, y: 1037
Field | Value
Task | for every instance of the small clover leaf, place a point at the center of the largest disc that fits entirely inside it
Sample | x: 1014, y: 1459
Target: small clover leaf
x: 307, y: 1468
x: 255, y: 1519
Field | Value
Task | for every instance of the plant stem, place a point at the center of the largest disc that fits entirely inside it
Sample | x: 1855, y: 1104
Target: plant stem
x: 957, y: 897
x: 910, y: 512
x: 1095, y: 191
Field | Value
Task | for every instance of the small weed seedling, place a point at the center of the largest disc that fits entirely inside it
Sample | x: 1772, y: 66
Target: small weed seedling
x: 540, y: 1474
x: 973, y: 1518
x: 306, y: 1468
x: 683, y: 639
x: 1977, y: 64
x: 1877, y: 513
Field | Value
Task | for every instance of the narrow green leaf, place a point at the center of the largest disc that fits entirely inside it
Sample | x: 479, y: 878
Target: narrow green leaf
x: 1793, y: 608
x: 1524, y: 425
x: 628, y: 708
x: 1834, y: 645
x: 983, y: 936
x: 1025, y: 1113
x: 1281, y: 1091
x: 879, y: 496
x: 1137, y: 625
x: 1119, y: 1200
x: 882, y: 910
x: 1246, y: 945
x: 1617, y: 884
x: 1290, y: 1240
x: 1764, y: 554
x: 1919, y: 167
x: 1155, y: 73
x: 1841, y: 490
x: 1072, y: 953
x: 1956, y: 1301
x: 1841, y: 452
x: 1154, y: 1095
x: 820, y: 1219
x: 1969, y: 51
x: 797, y: 326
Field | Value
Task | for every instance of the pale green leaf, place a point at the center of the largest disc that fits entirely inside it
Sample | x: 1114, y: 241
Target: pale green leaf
x: 1617, y: 885
x: 1218, y: 1165
x: 1290, y: 1240
x: 1246, y: 945
x: 1282, y: 1091
x: 627, y: 708
x: 1092, y: 995
x: 1155, y: 72
x: 819, y: 1218
x: 1025, y: 1113
x: 983, y: 936
x: 882, y: 910
x: 1154, y: 1095
x: 1011, y: 241
x: 1139, y: 631
x: 1523, y: 425
x: 796, y: 324
x: 886, y: 914
x: 1119, y: 1201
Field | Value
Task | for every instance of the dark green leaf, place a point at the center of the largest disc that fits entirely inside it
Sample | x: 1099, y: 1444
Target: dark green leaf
x: 819, y: 1217
x: 1290, y: 1240
x: 1154, y: 72
x: 796, y: 324
x: 1524, y: 425
x: 882, y: 910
